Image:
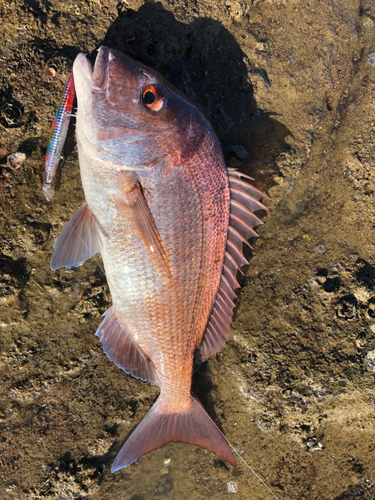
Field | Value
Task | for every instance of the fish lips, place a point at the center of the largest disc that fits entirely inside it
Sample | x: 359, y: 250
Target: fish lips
x: 85, y: 77
x: 99, y: 75
x: 111, y: 72
x: 99, y: 79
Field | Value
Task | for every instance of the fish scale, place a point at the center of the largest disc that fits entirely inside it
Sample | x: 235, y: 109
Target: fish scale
x: 158, y: 204
x: 138, y: 290
x: 181, y: 242
x: 211, y: 178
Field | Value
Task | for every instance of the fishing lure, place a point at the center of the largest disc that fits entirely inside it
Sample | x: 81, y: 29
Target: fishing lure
x: 60, y: 127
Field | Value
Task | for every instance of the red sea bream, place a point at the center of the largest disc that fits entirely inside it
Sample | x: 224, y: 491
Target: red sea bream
x: 170, y: 222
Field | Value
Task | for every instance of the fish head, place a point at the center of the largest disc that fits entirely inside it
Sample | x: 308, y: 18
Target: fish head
x: 130, y: 117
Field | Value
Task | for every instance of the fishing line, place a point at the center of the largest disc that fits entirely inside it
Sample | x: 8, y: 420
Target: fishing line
x: 242, y: 460
x: 248, y: 466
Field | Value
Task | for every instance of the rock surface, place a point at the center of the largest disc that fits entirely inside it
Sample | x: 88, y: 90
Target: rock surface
x: 289, y: 88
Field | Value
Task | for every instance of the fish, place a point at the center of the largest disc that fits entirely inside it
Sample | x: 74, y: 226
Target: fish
x: 58, y: 135
x: 170, y: 222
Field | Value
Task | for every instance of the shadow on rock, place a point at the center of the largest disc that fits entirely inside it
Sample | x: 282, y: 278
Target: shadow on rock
x: 205, y: 61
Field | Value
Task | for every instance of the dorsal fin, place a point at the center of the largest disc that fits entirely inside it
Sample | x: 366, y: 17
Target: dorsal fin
x: 244, y: 200
x: 122, y: 350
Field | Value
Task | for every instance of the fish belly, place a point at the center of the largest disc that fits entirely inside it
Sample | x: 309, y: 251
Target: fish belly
x: 166, y: 321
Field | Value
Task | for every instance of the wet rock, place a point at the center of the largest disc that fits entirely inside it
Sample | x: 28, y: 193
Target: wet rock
x: 237, y: 150
x: 294, y: 87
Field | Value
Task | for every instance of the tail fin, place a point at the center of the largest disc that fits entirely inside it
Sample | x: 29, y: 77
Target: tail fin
x: 160, y: 426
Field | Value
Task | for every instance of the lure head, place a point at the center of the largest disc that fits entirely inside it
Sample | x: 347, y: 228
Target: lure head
x: 130, y: 117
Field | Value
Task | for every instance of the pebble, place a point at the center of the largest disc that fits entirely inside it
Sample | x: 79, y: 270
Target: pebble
x: 370, y: 360
x: 320, y: 249
x: 367, y: 22
x: 232, y: 487
x: 16, y: 160
x: 50, y: 72
x: 370, y: 59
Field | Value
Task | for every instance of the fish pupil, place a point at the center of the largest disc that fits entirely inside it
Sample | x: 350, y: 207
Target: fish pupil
x: 149, y: 98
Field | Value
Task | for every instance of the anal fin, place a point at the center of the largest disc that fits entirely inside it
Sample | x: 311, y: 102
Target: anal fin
x: 122, y: 350
x: 80, y: 239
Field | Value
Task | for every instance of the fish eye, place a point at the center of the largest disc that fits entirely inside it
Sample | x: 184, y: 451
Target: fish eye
x: 153, y: 97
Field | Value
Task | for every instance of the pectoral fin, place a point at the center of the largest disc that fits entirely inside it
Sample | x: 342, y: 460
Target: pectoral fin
x: 80, y: 239
x: 136, y: 204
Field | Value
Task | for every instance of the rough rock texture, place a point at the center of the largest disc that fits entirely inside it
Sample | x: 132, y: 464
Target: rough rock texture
x: 289, y: 86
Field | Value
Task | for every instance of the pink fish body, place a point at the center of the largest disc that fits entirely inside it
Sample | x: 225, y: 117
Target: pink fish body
x: 169, y: 222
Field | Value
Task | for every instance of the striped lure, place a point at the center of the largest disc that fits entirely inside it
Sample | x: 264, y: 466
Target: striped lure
x: 60, y: 127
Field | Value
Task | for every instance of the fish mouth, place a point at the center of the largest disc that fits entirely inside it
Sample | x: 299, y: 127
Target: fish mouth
x: 101, y: 72
x: 97, y: 77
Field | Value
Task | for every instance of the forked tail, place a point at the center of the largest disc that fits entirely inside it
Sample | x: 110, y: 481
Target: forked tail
x: 160, y: 426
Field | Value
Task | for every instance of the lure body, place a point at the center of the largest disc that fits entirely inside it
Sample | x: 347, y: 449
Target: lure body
x: 56, y: 143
